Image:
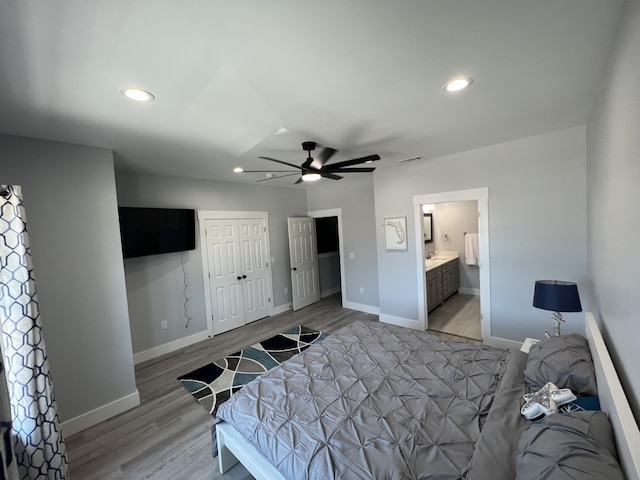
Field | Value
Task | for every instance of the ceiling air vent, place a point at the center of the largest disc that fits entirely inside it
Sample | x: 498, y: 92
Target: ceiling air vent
x: 410, y: 159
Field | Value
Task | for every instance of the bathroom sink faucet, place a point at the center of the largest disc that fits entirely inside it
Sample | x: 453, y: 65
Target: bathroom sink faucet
x: 430, y: 254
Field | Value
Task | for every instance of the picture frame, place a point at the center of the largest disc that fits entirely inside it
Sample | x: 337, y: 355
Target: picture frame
x: 395, y: 233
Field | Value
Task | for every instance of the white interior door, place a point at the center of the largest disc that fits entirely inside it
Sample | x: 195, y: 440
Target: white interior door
x: 225, y: 276
x: 304, y: 261
x: 255, y: 278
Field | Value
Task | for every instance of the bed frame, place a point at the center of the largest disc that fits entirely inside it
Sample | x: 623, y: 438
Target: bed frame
x: 233, y: 448
x: 614, y: 401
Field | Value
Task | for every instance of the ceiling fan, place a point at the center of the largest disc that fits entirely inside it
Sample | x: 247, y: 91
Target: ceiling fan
x: 315, y: 168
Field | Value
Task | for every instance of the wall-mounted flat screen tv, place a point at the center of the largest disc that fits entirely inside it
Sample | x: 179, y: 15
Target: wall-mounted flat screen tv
x: 150, y: 231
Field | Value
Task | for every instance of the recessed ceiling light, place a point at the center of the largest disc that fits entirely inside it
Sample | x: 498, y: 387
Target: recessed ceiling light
x: 238, y: 170
x: 457, y: 84
x: 311, y: 177
x: 137, y: 94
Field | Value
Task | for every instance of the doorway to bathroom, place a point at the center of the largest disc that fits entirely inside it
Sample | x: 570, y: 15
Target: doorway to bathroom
x: 460, y: 211
x: 451, y: 268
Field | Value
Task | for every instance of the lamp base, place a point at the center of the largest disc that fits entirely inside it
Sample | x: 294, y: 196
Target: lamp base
x: 556, y: 317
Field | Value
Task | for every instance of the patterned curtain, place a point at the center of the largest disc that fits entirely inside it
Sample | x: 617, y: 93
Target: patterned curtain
x: 8, y: 469
x: 39, y: 448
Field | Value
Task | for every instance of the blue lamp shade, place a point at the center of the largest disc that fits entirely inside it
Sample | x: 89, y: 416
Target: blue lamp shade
x: 556, y: 296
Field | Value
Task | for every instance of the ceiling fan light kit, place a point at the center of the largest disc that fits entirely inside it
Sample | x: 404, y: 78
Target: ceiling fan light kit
x: 311, y: 177
x: 313, y: 169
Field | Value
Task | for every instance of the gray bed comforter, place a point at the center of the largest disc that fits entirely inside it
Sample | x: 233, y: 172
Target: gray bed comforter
x: 375, y: 401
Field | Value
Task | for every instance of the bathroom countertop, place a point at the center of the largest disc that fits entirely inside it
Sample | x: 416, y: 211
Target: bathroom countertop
x: 440, y: 258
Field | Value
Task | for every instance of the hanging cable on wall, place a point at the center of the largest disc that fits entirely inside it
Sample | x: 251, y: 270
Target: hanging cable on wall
x: 184, y: 291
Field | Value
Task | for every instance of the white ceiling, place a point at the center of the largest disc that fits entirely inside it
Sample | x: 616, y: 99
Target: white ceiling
x: 361, y: 76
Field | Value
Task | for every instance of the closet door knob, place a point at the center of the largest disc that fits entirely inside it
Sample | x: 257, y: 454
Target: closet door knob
x: 244, y: 276
x: 239, y: 277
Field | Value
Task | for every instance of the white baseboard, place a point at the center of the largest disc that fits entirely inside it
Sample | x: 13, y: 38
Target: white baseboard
x: 503, y: 343
x: 402, y: 322
x: 361, y: 307
x: 281, y: 309
x: 469, y: 291
x: 100, y: 414
x: 160, y: 350
x: 330, y: 291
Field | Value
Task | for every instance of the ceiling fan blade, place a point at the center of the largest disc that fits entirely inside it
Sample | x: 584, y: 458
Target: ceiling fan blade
x: 355, y: 170
x: 279, y: 176
x: 323, y: 158
x: 347, y: 163
x: 298, y: 181
x: 280, y: 161
x: 269, y: 171
x: 330, y: 175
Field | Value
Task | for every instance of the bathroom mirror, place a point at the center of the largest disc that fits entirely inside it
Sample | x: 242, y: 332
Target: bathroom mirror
x: 427, y: 227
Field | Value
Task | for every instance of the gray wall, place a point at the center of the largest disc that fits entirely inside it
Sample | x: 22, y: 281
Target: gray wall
x: 155, y: 283
x: 454, y: 219
x: 613, y: 178
x: 354, y: 195
x: 537, y: 223
x: 70, y: 200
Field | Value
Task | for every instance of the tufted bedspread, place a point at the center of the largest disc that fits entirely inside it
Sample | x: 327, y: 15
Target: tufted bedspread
x: 375, y: 401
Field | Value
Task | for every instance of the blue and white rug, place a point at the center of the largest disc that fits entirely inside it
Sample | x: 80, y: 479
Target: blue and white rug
x: 214, y: 383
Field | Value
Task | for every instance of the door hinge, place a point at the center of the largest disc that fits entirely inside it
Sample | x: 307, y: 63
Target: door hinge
x: 267, y: 265
x: 269, y: 300
x: 209, y: 273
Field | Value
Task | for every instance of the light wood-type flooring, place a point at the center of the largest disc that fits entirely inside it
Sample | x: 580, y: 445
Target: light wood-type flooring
x: 459, y: 315
x: 168, y: 436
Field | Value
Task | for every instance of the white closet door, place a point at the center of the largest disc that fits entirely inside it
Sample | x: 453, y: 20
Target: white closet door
x: 304, y: 261
x: 225, y: 275
x: 255, y: 275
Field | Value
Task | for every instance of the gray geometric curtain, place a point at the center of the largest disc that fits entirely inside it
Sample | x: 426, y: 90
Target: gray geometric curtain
x: 8, y: 469
x: 38, y: 444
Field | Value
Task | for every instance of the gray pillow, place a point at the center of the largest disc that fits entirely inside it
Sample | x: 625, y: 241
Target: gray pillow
x: 564, y: 360
x: 571, y: 446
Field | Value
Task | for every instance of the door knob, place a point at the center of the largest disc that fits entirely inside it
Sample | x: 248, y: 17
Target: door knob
x: 239, y: 277
x: 244, y: 276
x: 294, y: 268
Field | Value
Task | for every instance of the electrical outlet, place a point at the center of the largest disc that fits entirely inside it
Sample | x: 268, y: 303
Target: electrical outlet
x: 361, y: 290
x: 164, y: 325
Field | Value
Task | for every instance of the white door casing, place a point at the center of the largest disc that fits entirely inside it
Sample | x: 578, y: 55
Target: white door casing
x: 246, y: 294
x: 304, y: 261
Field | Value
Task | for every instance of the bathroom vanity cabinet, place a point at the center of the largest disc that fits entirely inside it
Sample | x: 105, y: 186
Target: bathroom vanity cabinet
x: 442, y: 281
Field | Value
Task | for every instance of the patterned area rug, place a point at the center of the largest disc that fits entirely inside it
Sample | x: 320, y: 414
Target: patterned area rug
x: 214, y: 383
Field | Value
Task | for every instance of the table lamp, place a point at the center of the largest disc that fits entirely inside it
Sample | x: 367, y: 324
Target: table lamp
x: 557, y: 296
